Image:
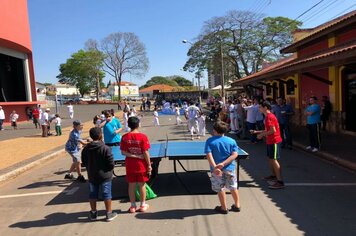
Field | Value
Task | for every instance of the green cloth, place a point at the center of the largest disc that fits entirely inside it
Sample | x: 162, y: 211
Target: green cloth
x: 149, y: 193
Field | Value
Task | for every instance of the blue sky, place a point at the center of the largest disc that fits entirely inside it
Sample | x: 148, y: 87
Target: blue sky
x: 61, y: 27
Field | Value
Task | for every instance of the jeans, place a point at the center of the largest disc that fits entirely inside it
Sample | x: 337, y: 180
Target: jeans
x: 314, y: 135
x: 252, y: 126
x: 1, y: 122
x: 286, y: 135
x: 105, y: 188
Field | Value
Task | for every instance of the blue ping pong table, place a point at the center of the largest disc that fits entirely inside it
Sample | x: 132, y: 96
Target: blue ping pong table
x: 176, y: 151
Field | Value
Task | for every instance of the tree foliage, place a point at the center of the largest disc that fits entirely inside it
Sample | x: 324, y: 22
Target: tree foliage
x: 124, y: 54
x: 83, y: 70
x: 174, y: 80
x: 245, y: 39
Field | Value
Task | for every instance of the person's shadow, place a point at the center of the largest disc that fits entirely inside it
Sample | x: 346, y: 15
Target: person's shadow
x: 59, y: 218
x: 176, y: 214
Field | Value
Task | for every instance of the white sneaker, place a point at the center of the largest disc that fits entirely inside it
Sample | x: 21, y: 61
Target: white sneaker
x: 231, y: 132
x: 308, y: 148
x: 315, y: 150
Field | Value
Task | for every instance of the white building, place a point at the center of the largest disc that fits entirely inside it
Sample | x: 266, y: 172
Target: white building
x: 127, y: 89
x: 66, y: 90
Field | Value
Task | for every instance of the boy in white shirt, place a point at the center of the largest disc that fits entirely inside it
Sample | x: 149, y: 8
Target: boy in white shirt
x: 70, y: 111
x: 126, y: 117
x: 13, y: 119
x: 201, y: 122
x: 58, y: 125
x: 155, y: 117
x: 177, y: 113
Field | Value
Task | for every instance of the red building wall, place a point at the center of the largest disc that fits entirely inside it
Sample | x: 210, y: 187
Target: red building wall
x: 15, y: 35
x: 347, y: 36
x: 311, y: 87
x: 313, y: 48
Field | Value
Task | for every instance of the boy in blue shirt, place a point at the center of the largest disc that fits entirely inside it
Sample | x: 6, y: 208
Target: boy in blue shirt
x: 73, y: 147
x: 221, y: 151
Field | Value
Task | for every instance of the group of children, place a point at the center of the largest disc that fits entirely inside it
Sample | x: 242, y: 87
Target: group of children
x: 56, y: 119
x: 221, y: 152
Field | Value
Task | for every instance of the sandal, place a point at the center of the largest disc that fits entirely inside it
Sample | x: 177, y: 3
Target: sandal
x: 235, y: 208
x: 220, y: 210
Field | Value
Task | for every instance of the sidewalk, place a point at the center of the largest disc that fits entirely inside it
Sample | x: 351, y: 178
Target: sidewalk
x: 21, y: 154
x: 337, y: 148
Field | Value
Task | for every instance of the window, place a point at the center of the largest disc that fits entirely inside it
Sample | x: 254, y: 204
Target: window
x: 290, y: 87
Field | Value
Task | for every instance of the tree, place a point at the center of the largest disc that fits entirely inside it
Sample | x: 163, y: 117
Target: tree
x: 245, y: 39
x: 159, y: 80
x: 82, y: 70
x: 181, y: 81
x: 124, y: 54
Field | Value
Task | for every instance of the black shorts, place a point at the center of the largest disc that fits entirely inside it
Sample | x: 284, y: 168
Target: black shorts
x: 273, y: 151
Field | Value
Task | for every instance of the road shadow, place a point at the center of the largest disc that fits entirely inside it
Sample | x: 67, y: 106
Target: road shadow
x: 58, y: 183
x: 60, y: 218
x: 176, y: 214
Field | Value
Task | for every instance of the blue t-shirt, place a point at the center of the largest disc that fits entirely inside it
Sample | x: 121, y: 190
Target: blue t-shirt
x: 280, y: 112
x: 221, y: 147
x: 72, y: 145
x: 314, y: 118
x: 109, y: 131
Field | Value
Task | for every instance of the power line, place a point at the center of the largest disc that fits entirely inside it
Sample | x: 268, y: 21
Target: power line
x: 342, y: 12
x: 320, y: 12
x: 309, y: 9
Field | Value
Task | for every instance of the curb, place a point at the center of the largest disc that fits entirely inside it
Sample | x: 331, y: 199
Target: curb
x: 329, y: 157
x: 14, y: 173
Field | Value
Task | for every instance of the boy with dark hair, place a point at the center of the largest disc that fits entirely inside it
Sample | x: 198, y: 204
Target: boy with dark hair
x: 135, y: 145
x: 221, y: 151
x: 99, y: 162
x: 73, y: 148
x: 273, y: 141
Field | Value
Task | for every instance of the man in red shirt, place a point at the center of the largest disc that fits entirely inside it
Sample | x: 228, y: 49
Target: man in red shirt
x: 273, y: 141
x: 36, y: 117
x: 134, y: 145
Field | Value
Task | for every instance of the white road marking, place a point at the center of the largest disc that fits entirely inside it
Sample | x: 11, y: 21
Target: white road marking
x: 320, y: 184
x: 66, y: 192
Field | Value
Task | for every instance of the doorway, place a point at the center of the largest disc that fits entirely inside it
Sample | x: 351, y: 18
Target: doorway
x: 349, y: 75
x: 12, y: 79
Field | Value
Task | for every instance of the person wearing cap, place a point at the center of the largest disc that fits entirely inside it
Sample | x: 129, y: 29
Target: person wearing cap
x: 45, y: 122
x: 2, y: 117
x: 73, y: 148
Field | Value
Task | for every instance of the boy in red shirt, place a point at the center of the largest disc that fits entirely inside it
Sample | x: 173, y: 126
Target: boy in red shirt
x: 134, y: 145
x: 273, y: 141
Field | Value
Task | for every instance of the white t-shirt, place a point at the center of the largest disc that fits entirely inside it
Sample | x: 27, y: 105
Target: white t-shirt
x: 70, y: 108
x: 58, y: 121
x: 176, y: 110
x: 2, y: 114
x: 44, y: 118
x: 155, y: 114
x: 193, y: 112
x: 14, y: 117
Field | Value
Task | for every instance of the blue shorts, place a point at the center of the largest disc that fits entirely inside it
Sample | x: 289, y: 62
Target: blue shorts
x: 274, y: 151
x: 227, y: 180
x: 105, y: 188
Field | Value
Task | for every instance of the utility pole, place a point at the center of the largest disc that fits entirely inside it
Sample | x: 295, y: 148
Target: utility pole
x: 222, y: 73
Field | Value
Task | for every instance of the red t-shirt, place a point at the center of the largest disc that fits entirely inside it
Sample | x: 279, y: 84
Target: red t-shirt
x: 135, y: 143
x: 271, y: 121
x: 36, y: 113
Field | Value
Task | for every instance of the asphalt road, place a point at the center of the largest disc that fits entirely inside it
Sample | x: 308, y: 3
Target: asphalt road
x: 81, y: 112
x: 319, y: 199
